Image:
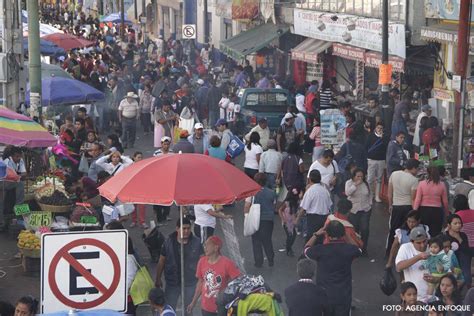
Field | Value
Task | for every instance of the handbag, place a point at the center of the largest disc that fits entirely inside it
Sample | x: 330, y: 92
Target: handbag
x: 252, y: 219
x: 83, y: 164
x: 141, y: 285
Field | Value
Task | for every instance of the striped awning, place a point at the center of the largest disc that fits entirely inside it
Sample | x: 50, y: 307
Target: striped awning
x: 309, y: 49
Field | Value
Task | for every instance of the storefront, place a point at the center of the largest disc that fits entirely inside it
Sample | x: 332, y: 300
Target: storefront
x: 356, y: 48
x: 446, y: 36
x: 260, y: 43
x: 308, y: 59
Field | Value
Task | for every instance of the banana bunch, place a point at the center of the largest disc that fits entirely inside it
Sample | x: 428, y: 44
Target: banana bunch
x: 28, y: 240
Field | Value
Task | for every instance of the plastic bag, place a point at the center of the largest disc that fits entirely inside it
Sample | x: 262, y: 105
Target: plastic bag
x: 388, y: 284
x: 83, y: 164
x: 141, y: 285
x: 252, y: 220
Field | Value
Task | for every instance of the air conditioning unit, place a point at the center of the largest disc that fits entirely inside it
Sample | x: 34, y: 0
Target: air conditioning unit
x: 3, y: 67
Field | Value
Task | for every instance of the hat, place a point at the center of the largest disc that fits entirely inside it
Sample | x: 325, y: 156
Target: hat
x: 289, y: 116
x: 426, y: 107
x: 221, y: 122
x: 200, y: 82
x: 131, y: 94
x: 156, y: 296
x: 262, y: 120
x: 165, y: 139
x: 184, y: 133
x: 216, y: 241
x: 418, y: 234
x: 198, y: 126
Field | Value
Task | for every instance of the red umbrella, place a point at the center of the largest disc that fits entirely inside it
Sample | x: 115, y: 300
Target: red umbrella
x: 67, y: 41
x: 182, y: 179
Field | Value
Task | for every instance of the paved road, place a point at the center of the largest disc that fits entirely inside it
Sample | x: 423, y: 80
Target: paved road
x: 367, y: 297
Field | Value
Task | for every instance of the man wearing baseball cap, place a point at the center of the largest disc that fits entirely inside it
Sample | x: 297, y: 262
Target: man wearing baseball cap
x: 410, y: 259
x: 183, y: 145
x: 286, y: 133
x: 165, y: 147
x: 199, y: 139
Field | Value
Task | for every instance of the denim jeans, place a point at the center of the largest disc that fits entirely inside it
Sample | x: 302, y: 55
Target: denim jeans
x: 361, y: 222
x: 173, y: 294
x: 129, y: 130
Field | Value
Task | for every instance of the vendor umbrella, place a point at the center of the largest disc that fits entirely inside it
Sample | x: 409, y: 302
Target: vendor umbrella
x: 115, y: 18
x: 65, y: 91
x: 46, y: 48
x: 67, y: 41
x: 50, y: 70
x: 20, y: 130
x: 181, y: 179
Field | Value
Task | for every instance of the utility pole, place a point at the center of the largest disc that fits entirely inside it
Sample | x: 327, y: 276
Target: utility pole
x: 122, y: 18
x: 461, y: 68
x: 206, y: 23
x: 34, y: 58
x: 387, y: 113
x: 135, y: 4
x: 144, y: 15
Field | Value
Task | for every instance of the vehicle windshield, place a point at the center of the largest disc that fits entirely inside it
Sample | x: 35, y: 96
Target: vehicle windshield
x: 266, y: 98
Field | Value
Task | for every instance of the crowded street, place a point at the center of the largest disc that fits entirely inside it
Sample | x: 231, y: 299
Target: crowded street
x: 236, y: 157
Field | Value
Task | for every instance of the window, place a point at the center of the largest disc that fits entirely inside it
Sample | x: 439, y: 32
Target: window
x: 266, y: 98
x: 227, y: 28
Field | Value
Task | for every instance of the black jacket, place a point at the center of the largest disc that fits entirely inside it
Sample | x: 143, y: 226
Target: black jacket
x: 305, y: 299
x: 376, y: 147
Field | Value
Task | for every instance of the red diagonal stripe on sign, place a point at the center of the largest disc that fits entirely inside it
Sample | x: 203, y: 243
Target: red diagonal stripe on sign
x: 86, y: 274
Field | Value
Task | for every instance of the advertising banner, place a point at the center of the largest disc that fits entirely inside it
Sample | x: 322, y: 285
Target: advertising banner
x: 333, y: 127
x: 443, y: 9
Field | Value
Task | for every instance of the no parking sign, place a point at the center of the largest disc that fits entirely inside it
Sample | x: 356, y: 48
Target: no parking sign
x: 84, y: 270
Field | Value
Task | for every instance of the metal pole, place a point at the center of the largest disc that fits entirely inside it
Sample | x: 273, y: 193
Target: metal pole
x: 385, y: 104
x: 135, y: 4
x: 206, y: 23
x: 461, y: 67
x: 34, y: 57
x: 181, y: 211
x: 144, y: 24
x: 122, y: 18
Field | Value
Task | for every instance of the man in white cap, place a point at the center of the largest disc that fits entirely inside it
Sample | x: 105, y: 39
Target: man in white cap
x: 165, y: 147
x: 199, y: 139
x: 425, y: 111
x: 128, y: 117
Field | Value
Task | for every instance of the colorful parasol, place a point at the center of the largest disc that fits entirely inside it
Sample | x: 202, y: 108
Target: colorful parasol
x: 20, y: 130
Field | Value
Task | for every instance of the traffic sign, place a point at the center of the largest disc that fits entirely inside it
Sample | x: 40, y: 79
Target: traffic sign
x: 189, y: 31
x: 84, y: 270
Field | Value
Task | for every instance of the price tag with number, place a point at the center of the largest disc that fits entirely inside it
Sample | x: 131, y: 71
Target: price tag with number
x: 21, y: 209
x: 38, y: 219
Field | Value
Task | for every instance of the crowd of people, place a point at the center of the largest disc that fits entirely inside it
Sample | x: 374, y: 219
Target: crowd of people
x: 172, y: 92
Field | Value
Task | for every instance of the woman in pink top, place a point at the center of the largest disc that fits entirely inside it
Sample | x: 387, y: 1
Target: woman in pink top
x: 316, y: 136
x: 431, y: 198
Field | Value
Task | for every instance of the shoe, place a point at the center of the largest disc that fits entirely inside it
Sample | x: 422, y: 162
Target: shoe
x: 282, y: 250
x: 168, y: 219
x: 271, y: 263
x: 17, y: 256
x: 133, y: 225
x: 144, y: 226
x: 160, y: 224
x: 290, y: 253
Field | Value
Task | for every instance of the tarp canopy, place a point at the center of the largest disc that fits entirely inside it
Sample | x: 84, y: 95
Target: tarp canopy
x: 309, y: 49
x: 251, y: 41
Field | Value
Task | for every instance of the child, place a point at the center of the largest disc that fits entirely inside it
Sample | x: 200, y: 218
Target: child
x: 408, y: 294
x: 139, y: 208
x: 453, y: 260
x: 287, y: 212
x: 437, y: 263
x: 223, y: 104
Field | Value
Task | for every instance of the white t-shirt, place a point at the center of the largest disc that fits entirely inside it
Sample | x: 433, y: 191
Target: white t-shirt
x: 202, y: 217
x: 413, y: 273
x: 232, y: 110
x: 327, y: 173
x: 251, y: 156
x: 403, y: 183
x: 223, y: 104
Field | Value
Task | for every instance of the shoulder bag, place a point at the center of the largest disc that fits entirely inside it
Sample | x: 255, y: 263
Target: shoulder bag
x: 252, y: 219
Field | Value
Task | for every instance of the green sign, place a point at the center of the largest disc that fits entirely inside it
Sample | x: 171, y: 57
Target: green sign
x: 88, y: 220
x: 37, y: 219
x: 21, y: 209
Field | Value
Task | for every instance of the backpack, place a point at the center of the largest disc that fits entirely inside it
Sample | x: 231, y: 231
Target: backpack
x: 346, y: 160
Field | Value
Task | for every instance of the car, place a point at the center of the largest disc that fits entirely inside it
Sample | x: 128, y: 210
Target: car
x: 256, y: 103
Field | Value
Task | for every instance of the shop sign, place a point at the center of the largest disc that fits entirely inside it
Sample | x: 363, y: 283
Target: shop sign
x: 333, y: 127
x: 443, y: 95
x: 442, y: 9
x: 374, y: 60
x: 245, y: 9
x: 440, y: 35
x: 348, y: 52
x: 224, y: 8
x: 350, y: 29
